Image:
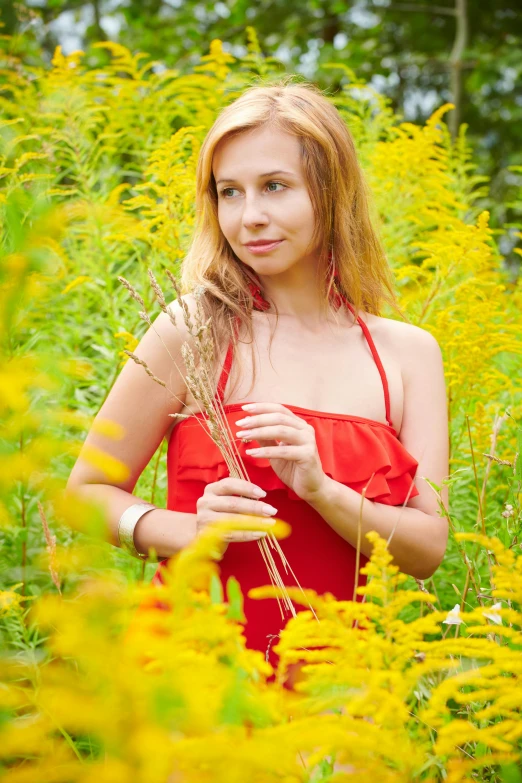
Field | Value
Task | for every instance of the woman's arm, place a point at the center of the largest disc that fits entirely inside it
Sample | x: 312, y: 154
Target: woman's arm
x: 166, y: 531
x: 419, y: 533
x: 141, y: 407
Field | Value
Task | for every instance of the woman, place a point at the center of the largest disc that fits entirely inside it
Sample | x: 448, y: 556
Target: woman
x: 345, y: 399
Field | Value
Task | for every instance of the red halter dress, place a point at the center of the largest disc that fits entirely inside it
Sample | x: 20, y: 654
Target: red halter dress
x: 354, y: 451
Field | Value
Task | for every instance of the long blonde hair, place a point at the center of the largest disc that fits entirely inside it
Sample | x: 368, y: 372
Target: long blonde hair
x: 338, y: 193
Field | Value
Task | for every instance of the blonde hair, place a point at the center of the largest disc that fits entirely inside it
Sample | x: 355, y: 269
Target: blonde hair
x: 338, y: 193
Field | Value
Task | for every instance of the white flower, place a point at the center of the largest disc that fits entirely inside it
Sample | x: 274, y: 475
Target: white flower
x: 492, y: 615
x: 453, y: 617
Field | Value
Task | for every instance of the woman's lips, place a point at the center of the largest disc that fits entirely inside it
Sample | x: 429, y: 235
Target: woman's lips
x: 258, y: 249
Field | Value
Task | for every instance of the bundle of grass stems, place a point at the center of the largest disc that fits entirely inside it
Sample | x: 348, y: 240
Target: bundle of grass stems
x: 198, y: 379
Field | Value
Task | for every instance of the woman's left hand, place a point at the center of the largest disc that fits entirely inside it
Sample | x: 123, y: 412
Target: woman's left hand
x: 288, y: 442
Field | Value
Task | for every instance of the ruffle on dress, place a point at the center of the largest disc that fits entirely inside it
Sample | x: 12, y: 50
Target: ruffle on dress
x: 351, y: 450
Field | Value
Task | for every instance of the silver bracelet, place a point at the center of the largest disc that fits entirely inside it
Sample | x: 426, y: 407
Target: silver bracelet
x: 128, y: 521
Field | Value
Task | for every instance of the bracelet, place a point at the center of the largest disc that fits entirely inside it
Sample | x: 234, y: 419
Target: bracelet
x: 128, y: 521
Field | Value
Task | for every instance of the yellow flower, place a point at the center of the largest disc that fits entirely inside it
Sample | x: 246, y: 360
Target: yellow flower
x: 77, y: 281
x: 10, y: 601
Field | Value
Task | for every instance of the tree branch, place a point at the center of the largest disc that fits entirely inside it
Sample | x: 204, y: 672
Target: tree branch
x: 460, y: 44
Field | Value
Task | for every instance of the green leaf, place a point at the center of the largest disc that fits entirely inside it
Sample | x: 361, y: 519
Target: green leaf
x: 481, y: 750
x: 216, y: 590
x: 510, y: 773
x: 235, y: 601
x: 322, y: 771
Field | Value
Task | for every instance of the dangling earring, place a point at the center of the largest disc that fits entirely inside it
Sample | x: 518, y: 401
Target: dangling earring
x: 335, y: 298
x: 260, y: 303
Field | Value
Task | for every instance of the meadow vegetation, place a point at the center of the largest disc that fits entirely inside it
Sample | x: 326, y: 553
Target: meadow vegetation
x: 420, y: 682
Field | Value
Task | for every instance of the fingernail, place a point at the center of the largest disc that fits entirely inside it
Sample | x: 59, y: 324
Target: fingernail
x: 250, y: 406
x: 259, y: 493
x: 268, y: 509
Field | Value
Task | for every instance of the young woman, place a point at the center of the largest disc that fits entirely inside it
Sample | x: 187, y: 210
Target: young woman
x: 341, y: 399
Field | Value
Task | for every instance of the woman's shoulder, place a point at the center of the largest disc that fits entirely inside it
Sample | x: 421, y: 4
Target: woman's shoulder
x: 177, y: 312
x: 400, y: 335
x: 187, y: 299
x: 414, y: 348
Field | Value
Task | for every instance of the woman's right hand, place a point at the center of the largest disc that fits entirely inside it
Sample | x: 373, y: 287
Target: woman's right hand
x: 231, y: 498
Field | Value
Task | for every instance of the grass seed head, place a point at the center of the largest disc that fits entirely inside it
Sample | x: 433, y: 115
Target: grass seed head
x: 135, y: 295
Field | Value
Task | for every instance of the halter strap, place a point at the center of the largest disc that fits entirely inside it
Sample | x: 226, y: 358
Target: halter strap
x: 227, y: 365
x: 377, y: 359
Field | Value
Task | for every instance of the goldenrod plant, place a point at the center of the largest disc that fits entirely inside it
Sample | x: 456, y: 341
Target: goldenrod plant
x: 97, y: 682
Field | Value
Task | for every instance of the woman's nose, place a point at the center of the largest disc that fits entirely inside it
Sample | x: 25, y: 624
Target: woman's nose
x: 254, y: 213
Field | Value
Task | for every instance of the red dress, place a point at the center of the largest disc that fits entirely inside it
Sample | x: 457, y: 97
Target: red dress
x: 352, y: 449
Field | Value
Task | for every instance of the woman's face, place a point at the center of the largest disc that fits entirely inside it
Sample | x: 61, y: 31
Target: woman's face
x: 263, y: 195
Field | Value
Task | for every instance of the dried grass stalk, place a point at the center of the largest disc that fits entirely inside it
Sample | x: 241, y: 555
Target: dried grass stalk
x: 199, y: 379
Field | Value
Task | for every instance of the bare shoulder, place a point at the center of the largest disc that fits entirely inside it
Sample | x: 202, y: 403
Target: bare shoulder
x: 407, y: 343
x: 178, y: 311
x: 185, y: 302
x: 161, y: 347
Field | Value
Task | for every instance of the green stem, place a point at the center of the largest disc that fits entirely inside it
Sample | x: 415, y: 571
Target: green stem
x: 69, y: 740
x: 479, y: 498
x: 156, y: 467
x: 24, y: 522
x: 481, y: 511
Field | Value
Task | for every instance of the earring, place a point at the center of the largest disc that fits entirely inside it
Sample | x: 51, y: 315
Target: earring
x: 260, y: 303
x: 336, y: 299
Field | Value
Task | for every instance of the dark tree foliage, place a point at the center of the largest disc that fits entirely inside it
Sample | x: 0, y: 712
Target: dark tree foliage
x: 420, y: 54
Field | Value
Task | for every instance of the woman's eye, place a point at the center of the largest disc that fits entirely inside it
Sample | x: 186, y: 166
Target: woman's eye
x: 225, y: 191
x: 275, y: 183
